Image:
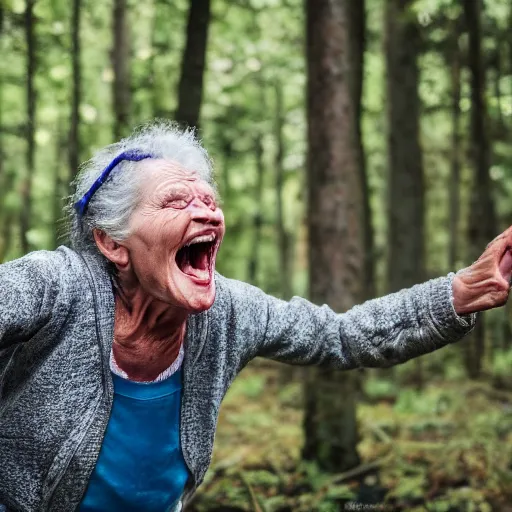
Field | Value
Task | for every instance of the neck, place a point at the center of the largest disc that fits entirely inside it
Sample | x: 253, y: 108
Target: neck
x: 148, y: 334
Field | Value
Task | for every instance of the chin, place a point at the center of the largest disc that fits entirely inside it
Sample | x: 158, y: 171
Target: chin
x: 193, y: 296
x: 202, y: 301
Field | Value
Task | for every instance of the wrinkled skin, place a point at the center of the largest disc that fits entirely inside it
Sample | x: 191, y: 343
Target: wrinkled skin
x: 154, y: 296
x: 486, y: 283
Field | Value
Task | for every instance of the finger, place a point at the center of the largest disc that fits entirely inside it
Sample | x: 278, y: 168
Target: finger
x: 505, y: 265
x: 508, y: 235
x: 494, y: 240
x: 499, y: 244
x: 505, y: 235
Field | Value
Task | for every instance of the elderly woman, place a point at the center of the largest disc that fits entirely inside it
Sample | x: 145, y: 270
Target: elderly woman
x: 115, y: 354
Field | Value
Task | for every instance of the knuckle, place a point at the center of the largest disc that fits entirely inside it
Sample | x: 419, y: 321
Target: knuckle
x: 497, y: 287
x: 497, y: 297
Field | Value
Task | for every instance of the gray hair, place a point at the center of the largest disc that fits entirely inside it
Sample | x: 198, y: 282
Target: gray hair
x: 112, y: 205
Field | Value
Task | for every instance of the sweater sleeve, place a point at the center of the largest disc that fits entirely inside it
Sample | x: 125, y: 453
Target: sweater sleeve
x: 379, y: 333
x: 28, y: 289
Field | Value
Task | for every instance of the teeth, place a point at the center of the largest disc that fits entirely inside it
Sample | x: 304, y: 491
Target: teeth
x: 202, y: 239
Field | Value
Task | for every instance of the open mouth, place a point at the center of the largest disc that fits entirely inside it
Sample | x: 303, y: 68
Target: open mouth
x: 195, y: 259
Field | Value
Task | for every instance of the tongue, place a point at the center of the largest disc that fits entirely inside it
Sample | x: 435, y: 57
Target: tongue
x: 198, y: 273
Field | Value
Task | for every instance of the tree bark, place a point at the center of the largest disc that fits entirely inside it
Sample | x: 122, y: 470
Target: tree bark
x: 258, y: 215
x: 59, y: 183
x: 497, y: 92
x: 406, y: 190
x: 74, y: 122
x: 5, y: 179
x: 159, y: 47
x: 357, y: 28
x: 454, y: 190
x: 6, y: 238
x: 1, y: 98
x: 283, y: 236
x: 2, y: 168
x: 406, y: 194
x: 336, y: 241
x: 482, y: 216
x: 26, y: 191
x: 121, y: 64
x: 190, y: 89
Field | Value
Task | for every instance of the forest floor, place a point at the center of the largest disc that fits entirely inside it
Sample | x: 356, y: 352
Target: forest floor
x: 446, y: 448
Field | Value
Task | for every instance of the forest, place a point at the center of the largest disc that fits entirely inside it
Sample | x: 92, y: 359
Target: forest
x: 360, y: 147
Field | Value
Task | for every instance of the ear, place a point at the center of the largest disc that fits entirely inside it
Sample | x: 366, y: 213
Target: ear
x: 112, y: 250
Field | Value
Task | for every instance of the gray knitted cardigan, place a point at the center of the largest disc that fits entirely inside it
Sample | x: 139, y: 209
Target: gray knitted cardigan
x: 56, y: 392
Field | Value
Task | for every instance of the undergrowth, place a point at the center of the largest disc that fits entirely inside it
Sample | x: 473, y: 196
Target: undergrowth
x: 444, y: 449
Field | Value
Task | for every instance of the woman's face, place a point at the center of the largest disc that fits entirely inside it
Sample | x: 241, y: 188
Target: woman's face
x: 176, y: 232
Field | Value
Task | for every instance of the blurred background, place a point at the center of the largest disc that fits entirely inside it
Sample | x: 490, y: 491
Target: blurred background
x: 360, y: 146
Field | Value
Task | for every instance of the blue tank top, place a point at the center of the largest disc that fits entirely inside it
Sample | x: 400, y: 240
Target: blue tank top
x: 140, y: 467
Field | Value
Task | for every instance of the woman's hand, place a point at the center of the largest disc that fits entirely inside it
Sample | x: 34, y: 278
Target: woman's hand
x: 486, y: 283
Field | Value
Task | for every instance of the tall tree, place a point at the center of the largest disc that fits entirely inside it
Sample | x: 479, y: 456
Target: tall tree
x: 406, y: 191
x: 160, y: 46
x: 258, y: 213
x: 59, y: 182
x: 121, y: 64
x: 4, y: 233
x: 283, y: 236
x: 357, y: 31
x: 2, y: 15
x: 482, y: 216
x: 74, y: 123
x: 30, y: 95
x: 454, y: 61
x: 190, y: 89
x: 336, y: 241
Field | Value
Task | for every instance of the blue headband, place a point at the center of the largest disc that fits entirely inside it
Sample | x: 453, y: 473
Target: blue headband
x: 130, y: 155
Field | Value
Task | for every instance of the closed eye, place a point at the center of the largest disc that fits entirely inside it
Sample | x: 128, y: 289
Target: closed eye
x: 177, y: 202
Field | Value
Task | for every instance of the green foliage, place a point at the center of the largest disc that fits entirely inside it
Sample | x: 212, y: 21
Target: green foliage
x: 251, y: 387
x: 502, y: 363
x: 446, y: 448
x: 376, y: 388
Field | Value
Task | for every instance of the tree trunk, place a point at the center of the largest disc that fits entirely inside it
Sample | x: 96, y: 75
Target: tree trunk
x: 74, y: 123
x: 26, y: 191
x: 1, y: 106
x: 227, y: 152
x: 406, y: 194
x: 501, y: 126
x: 59, y: 183
x: 6, y: 237
x: 454, y: 190
x: 336, y: 242
x: 482, y: 216
x: 5, y: 179
x: 283, y: 236
x: 258, y: 215
x: 121, y: 64
x: 357, y: 29
x: 190, y: 90
x: 2, y: 166
x: 159, y: 47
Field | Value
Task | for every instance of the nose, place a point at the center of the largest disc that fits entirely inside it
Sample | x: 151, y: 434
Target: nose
x: 203, y: 214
